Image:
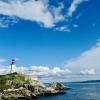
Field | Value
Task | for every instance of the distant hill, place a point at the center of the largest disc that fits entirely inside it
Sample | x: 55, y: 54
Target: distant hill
x: 89, y: 81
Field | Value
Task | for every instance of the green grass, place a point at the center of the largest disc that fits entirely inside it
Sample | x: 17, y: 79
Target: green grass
x: 4, y: 87
x: 13, y: 77
x: 5, y: 80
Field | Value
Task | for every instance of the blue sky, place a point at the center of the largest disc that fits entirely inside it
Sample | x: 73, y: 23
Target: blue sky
x: 48, y: 36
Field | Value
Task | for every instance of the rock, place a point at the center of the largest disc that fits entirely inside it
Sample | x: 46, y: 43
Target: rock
x: 55, y: 89
x: 17, y: 94
x: 50, y: 91
x: 58, y: 86
x: 16, y: 98
x: 39, y: 90
x: 29, y: 87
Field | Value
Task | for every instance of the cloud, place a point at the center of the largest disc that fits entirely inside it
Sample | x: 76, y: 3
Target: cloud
x: 74, y: 6
x: 63, y: 29
x: 88, y: 72
x: 57, y: 13
x: 40, y: 71
x: 4, y: 69
x: 88, y: 61
x: 47, y: 71
x: 58, y: 71
x: 36, y: 11
x: 2, y: 60
x: 32, y: 10
x: 39, y: 11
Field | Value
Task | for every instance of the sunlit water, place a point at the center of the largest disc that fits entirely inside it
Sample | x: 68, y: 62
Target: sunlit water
x: 78, y: 91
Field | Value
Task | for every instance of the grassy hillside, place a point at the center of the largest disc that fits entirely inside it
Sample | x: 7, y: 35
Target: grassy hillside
x: 10, y: 81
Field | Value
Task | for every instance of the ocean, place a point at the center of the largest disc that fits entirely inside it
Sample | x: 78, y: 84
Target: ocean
x: 78, y: 91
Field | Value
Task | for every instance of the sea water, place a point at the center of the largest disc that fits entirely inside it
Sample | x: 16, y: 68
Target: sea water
x: 78, y: 91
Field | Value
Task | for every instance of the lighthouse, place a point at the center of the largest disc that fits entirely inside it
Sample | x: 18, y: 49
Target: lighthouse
x: 13, y: 66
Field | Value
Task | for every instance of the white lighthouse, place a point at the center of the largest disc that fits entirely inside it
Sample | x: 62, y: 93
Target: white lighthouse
x: 13, y: 66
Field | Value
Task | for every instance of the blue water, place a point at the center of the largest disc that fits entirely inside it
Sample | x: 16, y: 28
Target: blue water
x: 78, y: 91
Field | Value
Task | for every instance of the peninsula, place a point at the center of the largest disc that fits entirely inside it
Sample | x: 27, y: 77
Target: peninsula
x: 15, y: 86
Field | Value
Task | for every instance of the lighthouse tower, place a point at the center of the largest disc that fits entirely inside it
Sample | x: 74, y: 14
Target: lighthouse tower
x: 13, y: 66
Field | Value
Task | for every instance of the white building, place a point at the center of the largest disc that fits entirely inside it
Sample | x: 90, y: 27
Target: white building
x: 13, y: 66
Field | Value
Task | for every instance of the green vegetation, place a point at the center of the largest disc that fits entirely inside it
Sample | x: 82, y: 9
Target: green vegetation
x: 13, y: 76
x: 14, y: 80
x: 4, y: 87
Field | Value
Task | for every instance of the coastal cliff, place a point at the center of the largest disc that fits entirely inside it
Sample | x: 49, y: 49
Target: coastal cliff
x: 18, y: 87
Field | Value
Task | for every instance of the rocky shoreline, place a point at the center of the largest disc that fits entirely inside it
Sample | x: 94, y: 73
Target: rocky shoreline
x: 27, y: 91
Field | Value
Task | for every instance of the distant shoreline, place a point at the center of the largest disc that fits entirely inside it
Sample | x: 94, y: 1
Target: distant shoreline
x: 88, y: 81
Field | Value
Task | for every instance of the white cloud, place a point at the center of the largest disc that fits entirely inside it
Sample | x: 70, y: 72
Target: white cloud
x: 28, y: 10
x: 2, y: 60
x: 87, y: 60
x: 37, y: 11
x: 57, y: 13
x: 40, y: 68
x: 4, y: 69
x: 58, y: 71
x: 63, y: 29
x: 88, y: 72
x: 74, y: 6
x: 47, y: 71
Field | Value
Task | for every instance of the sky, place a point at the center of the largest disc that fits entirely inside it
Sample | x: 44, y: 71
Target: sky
x: 52, y: 38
